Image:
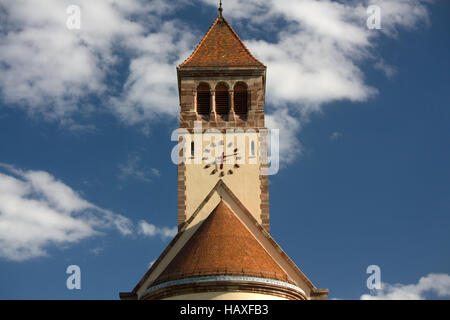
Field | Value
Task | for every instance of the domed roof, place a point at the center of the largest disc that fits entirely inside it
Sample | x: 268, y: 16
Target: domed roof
x: 222, y: 245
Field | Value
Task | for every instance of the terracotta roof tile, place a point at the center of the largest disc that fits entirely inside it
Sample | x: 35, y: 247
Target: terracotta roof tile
x: 222, y: 246
x: 221, y: 47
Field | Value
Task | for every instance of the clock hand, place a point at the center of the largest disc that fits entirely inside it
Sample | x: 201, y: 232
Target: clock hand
x: 230, y: 155
x: 221, y: 162
x: 226, y: 156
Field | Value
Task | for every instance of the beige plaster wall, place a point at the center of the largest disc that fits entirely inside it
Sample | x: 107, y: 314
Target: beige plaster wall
x: 244, y: 181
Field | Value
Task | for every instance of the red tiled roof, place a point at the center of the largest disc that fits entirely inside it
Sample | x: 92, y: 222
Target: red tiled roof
x: 222, y: 246
x: 221, y: 47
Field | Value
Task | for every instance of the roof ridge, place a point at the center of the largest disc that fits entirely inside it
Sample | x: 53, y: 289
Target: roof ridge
x: 200, y: 43
x: 242, y: 42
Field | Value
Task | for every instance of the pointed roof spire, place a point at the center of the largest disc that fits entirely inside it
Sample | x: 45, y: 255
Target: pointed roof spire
x: 221, y: 48
x: 220, y: 8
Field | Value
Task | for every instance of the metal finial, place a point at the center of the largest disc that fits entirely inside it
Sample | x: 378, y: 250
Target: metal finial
x: 220, y: 8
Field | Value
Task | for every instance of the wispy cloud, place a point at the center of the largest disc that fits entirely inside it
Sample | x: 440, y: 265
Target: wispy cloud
x: 336, y: 136
x: 96, y: 251
x: 38, y: 211
x: 289, y: 146
x: 432, y: 284
x: 150, y: 230
x: 389, y: 70
x: 133, y: 169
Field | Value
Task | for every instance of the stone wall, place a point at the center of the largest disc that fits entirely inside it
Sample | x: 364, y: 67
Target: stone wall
x: 188, y: 83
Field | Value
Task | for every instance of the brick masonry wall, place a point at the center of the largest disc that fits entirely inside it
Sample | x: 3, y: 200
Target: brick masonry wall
x: 181, y: 195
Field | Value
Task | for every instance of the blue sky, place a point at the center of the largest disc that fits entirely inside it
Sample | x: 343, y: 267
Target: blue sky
x: 86, y: 118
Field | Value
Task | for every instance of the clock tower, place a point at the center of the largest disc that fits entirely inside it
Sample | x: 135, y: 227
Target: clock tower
x: 223, y: 249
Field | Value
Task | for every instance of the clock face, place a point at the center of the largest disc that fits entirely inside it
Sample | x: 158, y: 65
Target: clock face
x: 218, y: 164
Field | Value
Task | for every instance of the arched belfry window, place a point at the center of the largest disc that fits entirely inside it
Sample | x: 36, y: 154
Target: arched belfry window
x: 203, y: 99
x: 222, y: 99
x: 240, y: 99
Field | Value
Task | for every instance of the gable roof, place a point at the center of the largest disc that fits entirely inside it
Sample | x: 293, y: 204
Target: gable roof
x: 220, y: 48
x: 222, y: 246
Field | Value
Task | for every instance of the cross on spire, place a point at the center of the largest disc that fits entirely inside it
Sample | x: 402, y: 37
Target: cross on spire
x: 220, y: 8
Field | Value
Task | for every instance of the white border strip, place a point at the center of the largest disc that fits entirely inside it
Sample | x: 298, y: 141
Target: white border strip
x: 224, y: 278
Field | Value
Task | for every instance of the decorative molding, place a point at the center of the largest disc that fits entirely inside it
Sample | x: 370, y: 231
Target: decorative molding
x: 224, y: 278
x: 256, y: 92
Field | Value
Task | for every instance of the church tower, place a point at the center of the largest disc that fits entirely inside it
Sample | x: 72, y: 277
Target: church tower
x: 222, y: 90
x: 223, y: 249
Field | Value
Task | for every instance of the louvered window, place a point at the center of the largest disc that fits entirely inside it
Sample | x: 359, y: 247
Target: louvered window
x: 203, y: 99
x: 240, y: 99
x: 222, y: 100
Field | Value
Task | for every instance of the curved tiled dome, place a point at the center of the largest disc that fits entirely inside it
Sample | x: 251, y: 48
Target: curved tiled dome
x: 222, y: 246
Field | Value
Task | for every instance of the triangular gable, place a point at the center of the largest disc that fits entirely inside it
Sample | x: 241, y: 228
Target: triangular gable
x: 188, y: 229
x: 221, y: 47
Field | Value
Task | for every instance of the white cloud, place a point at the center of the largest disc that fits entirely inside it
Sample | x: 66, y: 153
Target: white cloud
x: 389, y: 70
x: 50, y: 70
x: 437, y: 284
x: 315, y: 58
x: 151, y: 90
x: 407, y: 14
x: 150, y: 230
x: 37, y: 210
x: 289, y: 145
